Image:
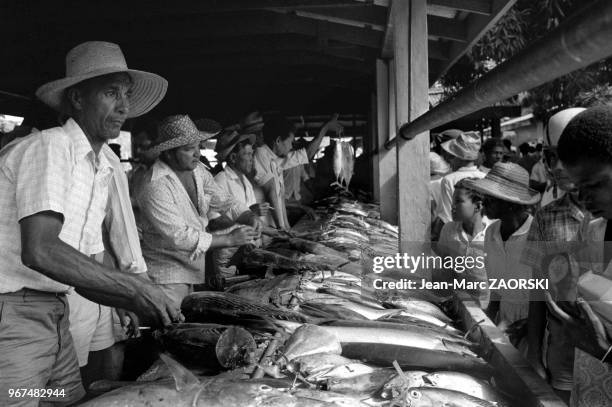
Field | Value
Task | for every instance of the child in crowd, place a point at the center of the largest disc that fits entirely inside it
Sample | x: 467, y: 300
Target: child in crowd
x: 464, y: 236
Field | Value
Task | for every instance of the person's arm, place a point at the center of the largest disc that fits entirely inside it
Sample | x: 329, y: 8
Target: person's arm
x: 313, y: 146
x: 446, y: 201
x: 269, y: 189
x: 43, y: 251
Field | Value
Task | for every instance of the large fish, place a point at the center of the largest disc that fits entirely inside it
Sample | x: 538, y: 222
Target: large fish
x: 316, y: 363
x: 345, y: 371
x: 464, y: 383
x: 434, y: 397
x: 186, y: 390
x: 396, y: 385
x: 210, y: 306
x: 417, y: 306
x: 209, y: 345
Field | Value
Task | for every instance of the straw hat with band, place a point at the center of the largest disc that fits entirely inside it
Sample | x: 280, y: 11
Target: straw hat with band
x: 465, y: 147
x: 228, y: 140
x: 508, y: 182
x: 96, y: 58
x: 437, y: 165
x: 176, y: 131
x: 251, y: 123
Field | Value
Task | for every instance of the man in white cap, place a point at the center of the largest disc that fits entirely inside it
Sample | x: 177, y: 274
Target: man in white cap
x: 464, y: 151
x: 55, y: 186
x: 553, y: 226
x: 177, y: 203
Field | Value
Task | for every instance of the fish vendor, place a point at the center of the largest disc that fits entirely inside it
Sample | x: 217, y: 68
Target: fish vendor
x: 277, y: 155
x: 553, y: 226
x: 176, y: 203
x: 585, y: 150
x: 507, y: 197
x: 237, y: 151
x: 55, y: 189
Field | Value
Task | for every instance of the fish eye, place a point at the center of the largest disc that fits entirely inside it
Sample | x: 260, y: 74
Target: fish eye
x: 265, y: 387
x: 415, y: 394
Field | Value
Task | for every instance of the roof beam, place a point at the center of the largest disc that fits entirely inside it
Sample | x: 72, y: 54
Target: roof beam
x: 373, y: 16
x: 446, y: 28
x: 476, y: 26
x: 471, y: 6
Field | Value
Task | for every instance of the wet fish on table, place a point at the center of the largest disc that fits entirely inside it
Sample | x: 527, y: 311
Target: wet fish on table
x: 319, y: 362
x: 368, y: 383
x: 345, y: 371
x: 325, y: 309
x: 309, y: 340
x: 464, y: 383
x: 186, y: 390
x: 210, y: 306
x: 434, y: 397
x: 396, y: 385
x: 419, y: 306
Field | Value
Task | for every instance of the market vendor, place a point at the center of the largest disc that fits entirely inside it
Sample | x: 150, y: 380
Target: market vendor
x: 55, y: 190
x: 585, y: 150
x: 177, y: 202
x: 236, y: 150
x: 276, y: 155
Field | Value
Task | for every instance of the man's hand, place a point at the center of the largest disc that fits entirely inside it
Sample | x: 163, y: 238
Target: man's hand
x: 334, y: 125
x: 260, y: 209
x: 243, y: 235
x: 128, y: 320
x: 585, y: 329
x: 154, y: 308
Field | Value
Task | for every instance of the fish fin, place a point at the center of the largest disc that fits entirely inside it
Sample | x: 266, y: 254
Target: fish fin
x: 183, y: 378
x: 428, y: 380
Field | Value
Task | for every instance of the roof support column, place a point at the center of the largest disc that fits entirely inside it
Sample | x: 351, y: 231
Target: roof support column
x: 411, y: 87
x: 385, y: 172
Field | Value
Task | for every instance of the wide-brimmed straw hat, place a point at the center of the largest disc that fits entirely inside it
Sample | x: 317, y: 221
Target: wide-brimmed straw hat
x: 176, y: 131
x: 251, y: 123
x: 466, y: 146
x: 96, y: 58
x: 228, y: 139
x: 508, y: 182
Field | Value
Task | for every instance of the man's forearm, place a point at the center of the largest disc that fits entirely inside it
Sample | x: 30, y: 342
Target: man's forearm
x: 103, y: 285
x: 313, y: 146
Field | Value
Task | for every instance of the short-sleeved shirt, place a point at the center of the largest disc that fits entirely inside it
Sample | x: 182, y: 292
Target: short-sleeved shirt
x: 293, y: 182
x: 447, y: 189
x: 592, y: 378
x: 268, y: 166
x: 173, y: 228
x: 502, y: 262
x: 238, y: 186
x: 53, y: 170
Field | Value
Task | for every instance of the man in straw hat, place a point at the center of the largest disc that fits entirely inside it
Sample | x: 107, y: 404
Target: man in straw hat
x: 585, y: 150
x: 507, y: 198
x: 177, y: 202
x: 553, y: 226
x: 463, y: 152
x: 55, y: 188
x: 237, y: 151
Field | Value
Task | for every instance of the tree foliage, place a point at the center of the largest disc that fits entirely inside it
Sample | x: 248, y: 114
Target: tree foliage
x: 525, y: 22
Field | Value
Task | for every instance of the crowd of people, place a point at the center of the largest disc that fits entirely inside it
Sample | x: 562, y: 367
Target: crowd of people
x: 90, y: 252
x: 549, y: 224
x: 72, y: 218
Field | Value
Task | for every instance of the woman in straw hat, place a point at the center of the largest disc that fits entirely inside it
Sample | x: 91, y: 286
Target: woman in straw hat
x: 176, y: 204
x: 55, y: 189
x: 507, y: 198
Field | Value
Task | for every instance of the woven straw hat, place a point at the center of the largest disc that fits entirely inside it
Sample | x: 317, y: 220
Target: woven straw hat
x: 228, y: 139
x: 251, y: 123
x: 437, y: 165
x: 466, y: 146
x: 176, y: 131
x: 97, y: 58
x: 508, y: 182
x: 557, y: 123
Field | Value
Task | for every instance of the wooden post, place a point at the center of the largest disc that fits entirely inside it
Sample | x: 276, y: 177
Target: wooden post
x: 372, y: 145
x: 386, y: 159
x: 410, y: 54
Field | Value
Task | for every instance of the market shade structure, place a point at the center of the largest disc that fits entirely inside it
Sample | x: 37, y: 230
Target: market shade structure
x: 225, y: 57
